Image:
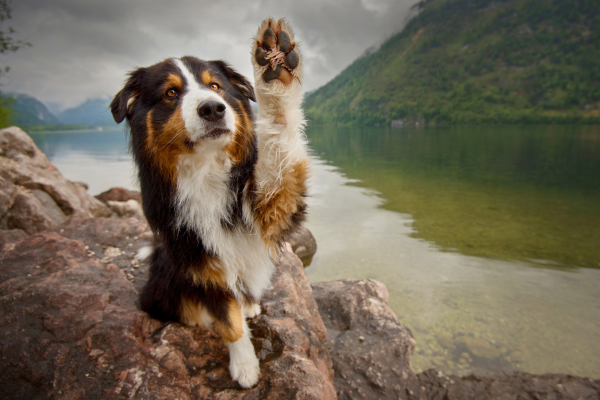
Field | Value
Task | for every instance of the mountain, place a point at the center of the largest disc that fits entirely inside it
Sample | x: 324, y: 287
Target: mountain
x: 29, y: 110
x: 475, y: 61
x: 93, y: 112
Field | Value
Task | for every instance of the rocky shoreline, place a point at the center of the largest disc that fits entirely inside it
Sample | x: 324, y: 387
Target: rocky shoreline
x: 70, y: 327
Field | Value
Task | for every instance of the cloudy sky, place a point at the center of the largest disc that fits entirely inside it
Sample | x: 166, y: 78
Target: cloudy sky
x: 83, y: 48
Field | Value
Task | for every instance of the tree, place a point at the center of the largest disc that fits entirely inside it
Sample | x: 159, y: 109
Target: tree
x: 7, y: 45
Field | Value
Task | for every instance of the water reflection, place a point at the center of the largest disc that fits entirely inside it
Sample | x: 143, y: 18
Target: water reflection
x: 98, y: 158
x: 527, y: 193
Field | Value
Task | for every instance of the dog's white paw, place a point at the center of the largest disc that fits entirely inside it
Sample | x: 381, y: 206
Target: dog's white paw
x: 252, y: 310
x: 246, y: 374
x: 243, y: 364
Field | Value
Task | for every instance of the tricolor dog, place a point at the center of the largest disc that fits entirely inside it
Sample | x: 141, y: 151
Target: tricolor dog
x: 221, y: 188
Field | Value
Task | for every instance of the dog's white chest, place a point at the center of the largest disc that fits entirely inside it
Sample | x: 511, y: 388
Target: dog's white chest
x: 204, y: 201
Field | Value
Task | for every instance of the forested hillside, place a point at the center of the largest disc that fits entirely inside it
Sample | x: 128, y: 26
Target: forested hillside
x: 475, y: 61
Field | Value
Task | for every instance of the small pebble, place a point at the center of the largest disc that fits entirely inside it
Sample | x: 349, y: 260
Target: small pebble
x: 361, y: 338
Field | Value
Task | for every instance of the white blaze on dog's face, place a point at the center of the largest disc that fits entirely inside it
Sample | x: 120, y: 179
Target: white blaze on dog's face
x: 183, y: 106
x: 205, y: 113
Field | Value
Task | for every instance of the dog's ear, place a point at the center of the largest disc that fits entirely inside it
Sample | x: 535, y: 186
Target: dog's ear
x: 123, y: 101
x: 237, y: 79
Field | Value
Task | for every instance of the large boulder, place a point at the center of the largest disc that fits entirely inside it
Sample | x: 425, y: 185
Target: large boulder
x: 34, y: 196
x: 70, y: 327
x: 369, y: 347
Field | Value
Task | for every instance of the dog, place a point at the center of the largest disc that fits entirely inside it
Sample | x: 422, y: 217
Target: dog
x: 221, y: 189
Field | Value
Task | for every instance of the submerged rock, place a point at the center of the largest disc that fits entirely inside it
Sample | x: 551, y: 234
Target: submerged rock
x: 480, y: 347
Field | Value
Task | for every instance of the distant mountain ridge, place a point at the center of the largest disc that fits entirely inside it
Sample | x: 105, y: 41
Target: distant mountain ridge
x: 475, y: 61
x: 27, y: 110
x: 94, y: 112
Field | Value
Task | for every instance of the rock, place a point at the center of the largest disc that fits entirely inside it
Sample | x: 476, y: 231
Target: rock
x: 32, y: 211
x: 27, y: 213
x: 12, y: 235
x: 480, y: 347
x: 119, y: 194
x: 507, y: 385
x: 126, y: 209
x: 369, y: 347
x: 303, y: 244
x: 70, y: 328
x: 34, y: 195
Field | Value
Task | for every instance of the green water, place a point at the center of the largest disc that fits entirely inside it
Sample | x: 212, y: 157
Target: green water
x: 487, y: 237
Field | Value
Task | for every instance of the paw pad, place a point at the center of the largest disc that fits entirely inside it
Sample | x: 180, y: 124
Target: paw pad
x: 275, y: 52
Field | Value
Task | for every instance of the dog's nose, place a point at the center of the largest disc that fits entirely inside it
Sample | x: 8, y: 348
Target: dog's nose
x: 211, y: 110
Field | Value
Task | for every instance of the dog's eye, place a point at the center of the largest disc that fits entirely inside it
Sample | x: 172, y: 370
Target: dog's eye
x: 171, y: 93
x: 214, y: 86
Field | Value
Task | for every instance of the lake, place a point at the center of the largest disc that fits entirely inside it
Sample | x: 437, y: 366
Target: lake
x: 487, y: 237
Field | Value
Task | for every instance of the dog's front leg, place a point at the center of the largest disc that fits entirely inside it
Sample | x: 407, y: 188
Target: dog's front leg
x: 283, y: 164
x: 243, y: 364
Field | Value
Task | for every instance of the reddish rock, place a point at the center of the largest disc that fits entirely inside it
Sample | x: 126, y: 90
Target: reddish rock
x: 70, y: 328
x: 119, y: 194
x: 369, y: 347
x: 11, y: 235
x: 34, y: 195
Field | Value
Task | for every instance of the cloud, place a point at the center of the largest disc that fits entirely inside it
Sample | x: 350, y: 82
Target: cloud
x: 83, y: 49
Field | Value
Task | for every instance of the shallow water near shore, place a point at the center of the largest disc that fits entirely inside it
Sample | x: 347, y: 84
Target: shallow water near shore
x: 485, y: 237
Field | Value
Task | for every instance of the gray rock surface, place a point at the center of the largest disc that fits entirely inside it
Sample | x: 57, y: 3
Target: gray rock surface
x: 70, y: 328
x: 303, y: 244
x: 510, y: 385
x: 369, y: 347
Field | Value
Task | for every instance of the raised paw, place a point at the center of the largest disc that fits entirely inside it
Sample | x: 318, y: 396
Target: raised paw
x: 276, y: 53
